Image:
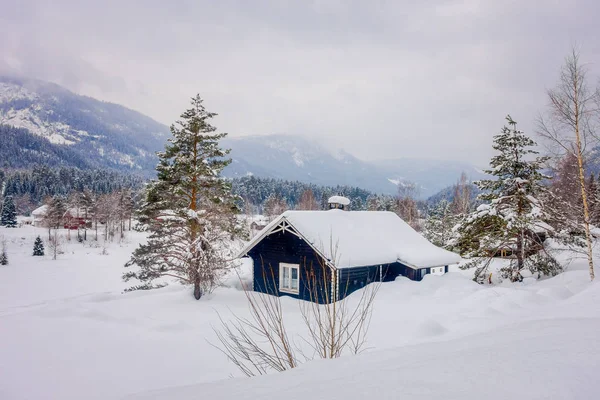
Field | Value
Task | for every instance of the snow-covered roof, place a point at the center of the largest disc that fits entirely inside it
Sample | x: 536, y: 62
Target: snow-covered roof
x: 339, y: 200
x: 361, y: 238
x: 40, y: 211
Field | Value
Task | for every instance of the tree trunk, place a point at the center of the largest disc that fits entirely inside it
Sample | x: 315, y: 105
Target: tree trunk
x: 586, y: 218
x: 586, y: 211
x: 197, y: 290
x: 520, y: 259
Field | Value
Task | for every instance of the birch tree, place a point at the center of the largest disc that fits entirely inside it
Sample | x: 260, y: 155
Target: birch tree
x: 569, y: 127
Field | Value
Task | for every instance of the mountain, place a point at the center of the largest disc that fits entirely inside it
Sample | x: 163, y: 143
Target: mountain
x: 297, y: 158
x: 61, y: 128
x: 430, y: 175
x: 20, y: 148
x: 102, y: 134
x: 447, y: 194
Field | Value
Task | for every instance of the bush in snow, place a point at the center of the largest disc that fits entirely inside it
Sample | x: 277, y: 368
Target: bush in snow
x: 38, y: 247
x: 189, y: 209
x: 262, y: 343
x: 55, y: 245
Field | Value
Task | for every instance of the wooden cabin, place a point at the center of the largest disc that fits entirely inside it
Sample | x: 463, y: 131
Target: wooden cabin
x: 324, y: 256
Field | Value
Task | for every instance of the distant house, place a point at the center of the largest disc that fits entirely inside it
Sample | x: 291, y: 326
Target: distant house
x: 340, y: 251
x: 38, y: 215
x: 72, y: 219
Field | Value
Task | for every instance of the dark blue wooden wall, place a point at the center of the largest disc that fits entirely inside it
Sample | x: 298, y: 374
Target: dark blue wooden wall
x: 283, y: 247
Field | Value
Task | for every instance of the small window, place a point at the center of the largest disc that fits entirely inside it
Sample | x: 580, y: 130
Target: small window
x: 289, y: 278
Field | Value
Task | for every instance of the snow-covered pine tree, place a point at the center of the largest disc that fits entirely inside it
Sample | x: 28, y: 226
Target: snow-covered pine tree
x: 9, y: 213
x: 513, y: 221
x: 439, y: 224
x: 189, y: 209
x: 3, y: 254
x: 38, y: 247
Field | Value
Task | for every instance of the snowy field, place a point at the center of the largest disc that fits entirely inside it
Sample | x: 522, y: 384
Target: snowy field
x: 67, y: 331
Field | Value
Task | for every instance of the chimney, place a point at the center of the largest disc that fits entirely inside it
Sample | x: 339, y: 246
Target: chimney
x: 339, y: 202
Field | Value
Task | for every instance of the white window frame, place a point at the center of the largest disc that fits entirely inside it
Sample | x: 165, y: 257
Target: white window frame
x: 288, y: 288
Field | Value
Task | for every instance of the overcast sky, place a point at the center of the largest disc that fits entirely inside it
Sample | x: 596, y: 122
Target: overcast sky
x: 381, y: 79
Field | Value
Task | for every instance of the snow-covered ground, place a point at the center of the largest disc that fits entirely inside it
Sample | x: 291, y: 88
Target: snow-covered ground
x: 67, y: 331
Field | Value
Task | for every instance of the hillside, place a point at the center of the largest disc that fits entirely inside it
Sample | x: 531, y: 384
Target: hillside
x: 20, y: 148
x: 103, y: 134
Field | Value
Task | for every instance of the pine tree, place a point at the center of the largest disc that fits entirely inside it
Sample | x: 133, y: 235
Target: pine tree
x: 189, y: 209
x: 514, y: 218
x: 3, y: 254
x: 9, y: 213
x: 439, y: 224
x: 38, y: 247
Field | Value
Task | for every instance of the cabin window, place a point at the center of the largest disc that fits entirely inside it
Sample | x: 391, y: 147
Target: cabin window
x: 289, y: 277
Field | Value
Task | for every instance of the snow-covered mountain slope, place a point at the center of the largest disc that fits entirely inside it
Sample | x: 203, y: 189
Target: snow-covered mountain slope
x: 106, y: 134
x: 297, y: 158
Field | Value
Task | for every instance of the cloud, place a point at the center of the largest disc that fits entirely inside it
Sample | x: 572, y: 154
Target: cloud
x: 381, y: 79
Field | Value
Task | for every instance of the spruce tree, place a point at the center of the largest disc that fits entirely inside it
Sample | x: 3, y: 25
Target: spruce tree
x: 9, y: 213
x: 3, y: 255
x: 38, y: 247
x: 189, y: 209
x: 513, y: 219
x: 439, y: 224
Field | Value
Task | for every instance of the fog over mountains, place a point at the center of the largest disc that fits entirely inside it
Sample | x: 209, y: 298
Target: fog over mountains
x: 84, y: 132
